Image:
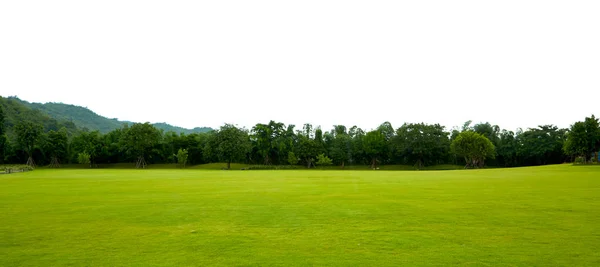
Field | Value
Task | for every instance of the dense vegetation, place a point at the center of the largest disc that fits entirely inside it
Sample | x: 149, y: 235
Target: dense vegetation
x: 275, y: 143
x: 72, y: 117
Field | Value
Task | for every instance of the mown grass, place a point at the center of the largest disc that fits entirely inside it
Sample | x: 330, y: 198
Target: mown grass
x: 541, y: 216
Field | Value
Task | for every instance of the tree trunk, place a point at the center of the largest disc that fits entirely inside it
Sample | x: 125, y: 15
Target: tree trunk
x: 229, y: 164
x: 373, y: 163
x: 30, y: 162
x: 342, y: 164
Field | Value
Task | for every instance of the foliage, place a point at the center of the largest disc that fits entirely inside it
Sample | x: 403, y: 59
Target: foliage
x: 375, y: 146
x: 231, y: 144
x: 292, y: 159
x: 583, y: 139
x: 341, y: 148
x: 89, y: 143
x: 15, y: 111
x: 28, y: 134
x: 83, y: 158
x: 417, y: 144
x: 66, y: 115
x: 542, y: 145
x: 474, y: 147
x: 182, y: 156
x: 323, y: 160
x: 56, y: 144
x: 420, y: 144
x: 140, y: 139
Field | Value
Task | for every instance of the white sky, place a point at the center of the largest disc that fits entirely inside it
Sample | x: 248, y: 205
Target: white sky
x: 203, y: 63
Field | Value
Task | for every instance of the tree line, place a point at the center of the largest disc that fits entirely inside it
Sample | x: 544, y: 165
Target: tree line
x: 274, y: 143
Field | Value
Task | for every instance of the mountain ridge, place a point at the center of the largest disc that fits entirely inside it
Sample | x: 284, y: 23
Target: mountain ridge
x: 85, y: 118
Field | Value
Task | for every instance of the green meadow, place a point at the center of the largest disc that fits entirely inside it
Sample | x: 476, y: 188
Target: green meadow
x: 535, y: 216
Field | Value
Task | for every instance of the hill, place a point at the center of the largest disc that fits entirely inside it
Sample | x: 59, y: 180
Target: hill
x: 87, y: 119
x: 15, y: 111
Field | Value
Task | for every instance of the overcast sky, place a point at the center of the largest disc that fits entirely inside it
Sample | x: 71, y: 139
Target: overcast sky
x: 203, y: 63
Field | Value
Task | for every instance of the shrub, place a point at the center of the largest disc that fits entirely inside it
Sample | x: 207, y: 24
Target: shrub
x: 323, y: 160
x: 83, y: 158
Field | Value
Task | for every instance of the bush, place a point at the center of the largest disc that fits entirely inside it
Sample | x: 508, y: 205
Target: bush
x: 323, y: 160
x: 83, y: 158
x: 579, y: 160
x: 15, y: 168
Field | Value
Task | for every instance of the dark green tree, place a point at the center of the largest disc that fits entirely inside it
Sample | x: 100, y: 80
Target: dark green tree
x: 306, y: 149
x: 421, y: 144
x: 56, y: 146
x: 88, y: 143
x: 375, y: 146
x: 507, y: 149
x: 542, y: 145
x: 474, y: 147
x: 140, y: 139
x: 340, y: 149
x: 231, y: 144
x: 583, y: 139
x: 28, y: 134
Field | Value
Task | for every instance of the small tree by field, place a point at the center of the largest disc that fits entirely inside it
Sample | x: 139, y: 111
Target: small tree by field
x: 474, y: 147
x: 84, y: 158
x: 182, y: 156
x: 323, y: 160
x: 292, y: 159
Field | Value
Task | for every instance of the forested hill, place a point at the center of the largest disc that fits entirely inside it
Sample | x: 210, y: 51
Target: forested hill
x: 84, y: 118
x: 15, y: 111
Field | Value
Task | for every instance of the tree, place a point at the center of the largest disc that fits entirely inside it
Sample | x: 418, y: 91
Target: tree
x: 542, y: 145
x: 323, y: 160
x: 56, y: 146
x: 28, y: 134
x: 474, y: 147
x: 421, y: 144
x: 139, y: 139
x: 375, y: 146
x: 340, y: 150
x: 182, y: 156
x: 583, y: 139
x: 84, y: 158
x: 507, y: 149
x: 231, y: 144
x: 306, y: 149
x: 89, y: 143
x: 292, y: 159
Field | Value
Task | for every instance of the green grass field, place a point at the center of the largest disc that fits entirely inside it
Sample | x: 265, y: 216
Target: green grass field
x: 540, y: 216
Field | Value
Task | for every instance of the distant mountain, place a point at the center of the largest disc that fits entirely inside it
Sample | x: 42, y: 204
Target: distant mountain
x: 15, y: 111
x: 86, y: 119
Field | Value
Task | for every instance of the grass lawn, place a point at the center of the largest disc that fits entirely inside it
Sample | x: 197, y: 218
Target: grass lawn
x: 540, y: 216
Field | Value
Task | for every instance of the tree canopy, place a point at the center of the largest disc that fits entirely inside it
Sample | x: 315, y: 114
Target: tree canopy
x: 474, y: 147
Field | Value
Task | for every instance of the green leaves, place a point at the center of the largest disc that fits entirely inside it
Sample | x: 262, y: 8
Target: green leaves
x: 182, y: 156
x: 28, y: 133
x: 231, y: 144
x: 474, y: 147
x: 323, y: 160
